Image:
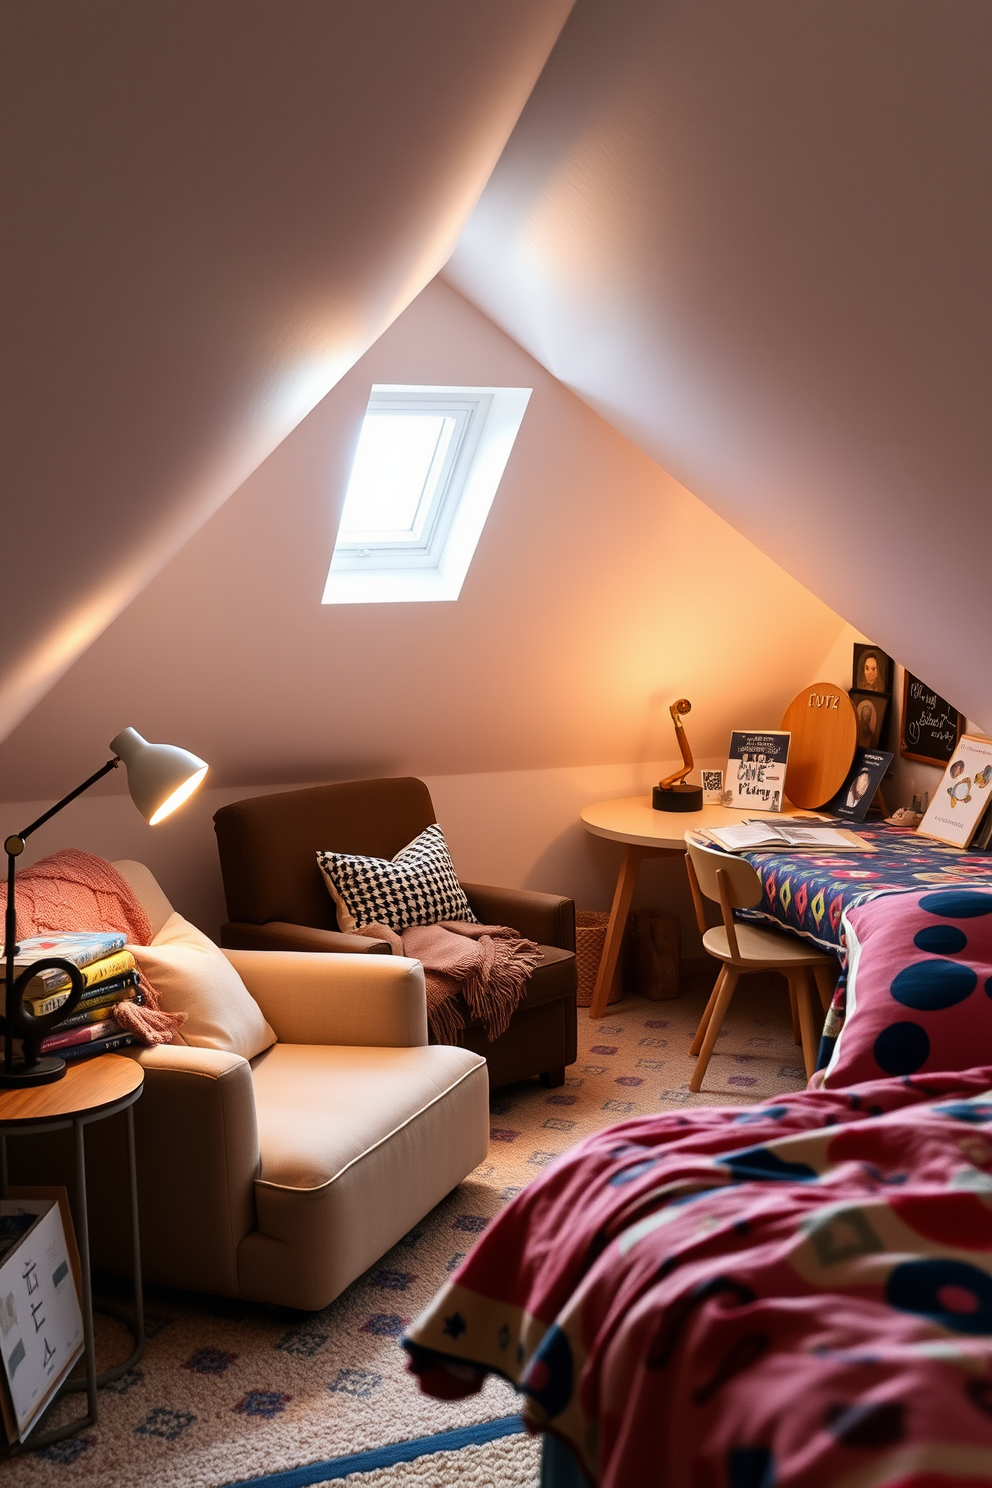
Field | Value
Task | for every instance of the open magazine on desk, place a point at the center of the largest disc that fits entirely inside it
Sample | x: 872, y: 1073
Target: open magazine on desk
x: 753, y: 836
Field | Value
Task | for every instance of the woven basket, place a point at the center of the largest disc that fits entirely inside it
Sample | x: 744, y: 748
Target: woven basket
x: 590, y: 938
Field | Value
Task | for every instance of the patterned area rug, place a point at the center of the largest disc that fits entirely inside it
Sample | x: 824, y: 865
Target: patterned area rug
x: 230, y: 1391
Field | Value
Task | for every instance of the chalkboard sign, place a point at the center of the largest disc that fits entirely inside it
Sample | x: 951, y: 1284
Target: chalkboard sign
x: 930, y: 726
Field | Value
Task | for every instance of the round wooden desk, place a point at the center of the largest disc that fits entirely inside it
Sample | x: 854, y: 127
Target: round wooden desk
x: 90, y: 1090
x: 646, y: 833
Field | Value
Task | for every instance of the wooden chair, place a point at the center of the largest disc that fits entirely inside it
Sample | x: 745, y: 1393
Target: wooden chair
x: 734, y: 884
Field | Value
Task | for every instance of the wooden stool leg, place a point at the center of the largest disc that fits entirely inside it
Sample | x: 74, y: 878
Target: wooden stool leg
x: 797, y: 1033
x: 826, y: 983
x: 804, y: 994
x: 700, y: 1034
x: 714, y: 1025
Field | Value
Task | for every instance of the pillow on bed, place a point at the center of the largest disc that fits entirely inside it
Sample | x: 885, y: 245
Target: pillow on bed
x: 192, y: 975
x: 417, y: 887
x: 919, y: 985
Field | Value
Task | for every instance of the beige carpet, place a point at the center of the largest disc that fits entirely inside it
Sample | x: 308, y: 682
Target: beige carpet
x: 229, y: 1391
x: 514, y: 1462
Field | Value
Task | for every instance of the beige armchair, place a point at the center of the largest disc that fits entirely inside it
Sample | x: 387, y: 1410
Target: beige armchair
x: 283, y: 1179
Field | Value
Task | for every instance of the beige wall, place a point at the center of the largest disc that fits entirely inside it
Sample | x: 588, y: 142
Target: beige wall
x: 601, y: 590
x: 520, y: 829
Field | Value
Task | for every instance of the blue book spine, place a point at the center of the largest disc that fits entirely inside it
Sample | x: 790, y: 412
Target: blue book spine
x: 97, y: 1046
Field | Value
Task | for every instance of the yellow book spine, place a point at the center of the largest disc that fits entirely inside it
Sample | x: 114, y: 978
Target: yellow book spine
x: 97, y: 971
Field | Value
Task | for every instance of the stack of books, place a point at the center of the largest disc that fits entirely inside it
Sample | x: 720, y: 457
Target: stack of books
x: 110, y: 975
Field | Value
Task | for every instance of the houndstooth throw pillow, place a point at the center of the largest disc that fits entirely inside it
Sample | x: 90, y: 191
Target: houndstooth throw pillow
x: 418, y: 887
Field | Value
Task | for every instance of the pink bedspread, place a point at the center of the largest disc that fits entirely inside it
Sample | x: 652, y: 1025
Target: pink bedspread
x: 795, y: 1294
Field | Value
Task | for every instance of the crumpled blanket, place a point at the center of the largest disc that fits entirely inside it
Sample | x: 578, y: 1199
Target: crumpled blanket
x: 74, y: 890
x: 486, y: 965
x: 797, y: 1294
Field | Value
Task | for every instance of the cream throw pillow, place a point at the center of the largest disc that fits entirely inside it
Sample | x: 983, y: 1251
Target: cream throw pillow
x: 192, y: 975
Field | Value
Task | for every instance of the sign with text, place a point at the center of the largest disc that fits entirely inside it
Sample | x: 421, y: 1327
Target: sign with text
x: 930, y: 726
x: 756, y: 769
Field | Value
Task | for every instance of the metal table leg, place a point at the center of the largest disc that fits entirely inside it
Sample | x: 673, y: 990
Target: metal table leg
x: 91, y: 1380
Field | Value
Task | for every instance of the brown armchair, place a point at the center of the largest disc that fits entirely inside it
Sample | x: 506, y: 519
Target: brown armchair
x: 277, y: 900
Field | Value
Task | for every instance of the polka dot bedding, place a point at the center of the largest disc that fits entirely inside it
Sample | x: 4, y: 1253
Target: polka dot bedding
x: 919, y: 986
x: 796, y: 1295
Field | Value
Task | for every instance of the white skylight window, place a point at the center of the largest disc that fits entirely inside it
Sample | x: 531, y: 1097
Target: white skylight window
x: 428, y: 464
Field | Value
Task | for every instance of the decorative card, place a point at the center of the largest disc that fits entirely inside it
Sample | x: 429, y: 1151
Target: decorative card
x: 756, y: 769
x: 41, y: 1326
x: 962, y: 796
x: 858, y: 791
x: 712, y: 787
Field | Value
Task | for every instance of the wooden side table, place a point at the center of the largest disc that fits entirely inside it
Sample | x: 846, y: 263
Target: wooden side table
x: 646, y: 833
x: 91, y: 1090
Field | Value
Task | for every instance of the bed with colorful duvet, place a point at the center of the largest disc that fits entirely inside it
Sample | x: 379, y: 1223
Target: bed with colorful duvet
x: 794, y: 1295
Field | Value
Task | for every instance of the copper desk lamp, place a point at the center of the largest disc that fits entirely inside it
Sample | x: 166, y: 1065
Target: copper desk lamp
x: 673, y: 793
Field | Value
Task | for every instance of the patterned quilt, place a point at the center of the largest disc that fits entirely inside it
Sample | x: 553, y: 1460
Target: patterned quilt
x: 798, y: 1294
x: 807, y: 894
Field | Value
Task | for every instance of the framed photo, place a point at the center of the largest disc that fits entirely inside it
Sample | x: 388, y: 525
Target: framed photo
x: 712, y: 787
x: 960, y: 800
x: 870, y: 709
x: 930, y: 727
x: 872, y: 670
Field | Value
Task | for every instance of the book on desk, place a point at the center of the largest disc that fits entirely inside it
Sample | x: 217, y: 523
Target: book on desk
x: 785, y: 836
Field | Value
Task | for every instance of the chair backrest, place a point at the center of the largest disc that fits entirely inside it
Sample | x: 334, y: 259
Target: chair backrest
x: 743, y: 886
x: 269, y: 844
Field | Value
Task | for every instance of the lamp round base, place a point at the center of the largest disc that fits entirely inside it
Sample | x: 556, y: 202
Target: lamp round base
x: 42, y: 1073
x: 680, y: 797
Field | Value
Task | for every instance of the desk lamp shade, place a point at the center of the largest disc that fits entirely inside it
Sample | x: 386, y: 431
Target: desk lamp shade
x: 160, y: 777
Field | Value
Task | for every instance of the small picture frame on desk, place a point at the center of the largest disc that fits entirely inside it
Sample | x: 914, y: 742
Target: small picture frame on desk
x: 870, y: 710
x: 872, y: 670
x: 712, y: 782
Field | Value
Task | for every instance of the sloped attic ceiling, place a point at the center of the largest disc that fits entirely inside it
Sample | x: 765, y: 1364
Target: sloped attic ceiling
x: 600, y: 591
x: 757, y: 238
x: 211, y: 209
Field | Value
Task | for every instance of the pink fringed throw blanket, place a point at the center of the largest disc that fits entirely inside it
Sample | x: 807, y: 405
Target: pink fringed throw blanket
x: 486, y: 965
x: 73, y: 890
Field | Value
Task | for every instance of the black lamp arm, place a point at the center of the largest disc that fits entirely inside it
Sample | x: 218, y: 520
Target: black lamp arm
x: 54, y: 810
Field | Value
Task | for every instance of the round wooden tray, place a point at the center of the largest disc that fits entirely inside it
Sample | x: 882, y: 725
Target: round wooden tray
x: 824, y: 736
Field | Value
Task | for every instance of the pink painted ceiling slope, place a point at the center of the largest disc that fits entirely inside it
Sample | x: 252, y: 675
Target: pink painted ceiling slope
x: 758, y: 239
x: 601, y: 590
x: 211, y: 209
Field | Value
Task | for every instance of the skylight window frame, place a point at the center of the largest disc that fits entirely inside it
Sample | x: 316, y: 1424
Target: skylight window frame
x: 419, y: 534
x: 396, y: 570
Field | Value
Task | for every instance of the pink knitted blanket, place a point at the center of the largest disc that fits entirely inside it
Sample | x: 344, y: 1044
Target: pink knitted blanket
x: 485, y: 965
x: 73, y: 890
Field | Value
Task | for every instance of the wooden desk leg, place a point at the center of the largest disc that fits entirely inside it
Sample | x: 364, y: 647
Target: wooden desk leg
x: 633, y: 856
